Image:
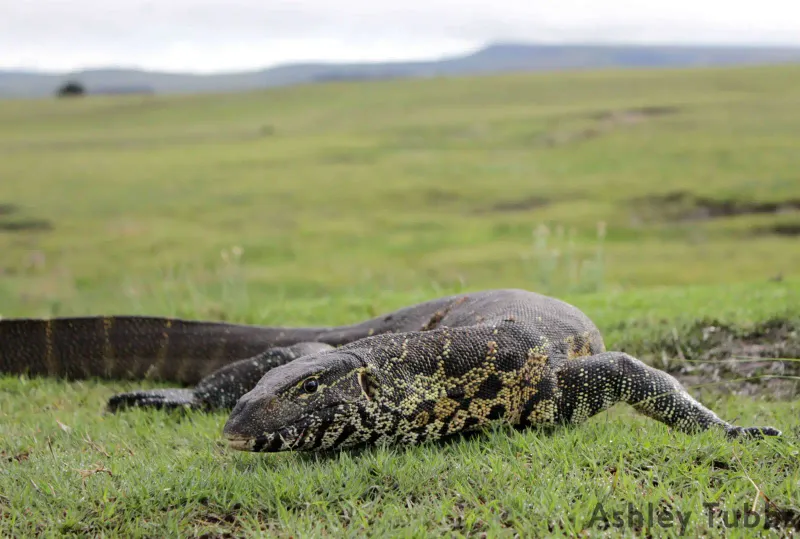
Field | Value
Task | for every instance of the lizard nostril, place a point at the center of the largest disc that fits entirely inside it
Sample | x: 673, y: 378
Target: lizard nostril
x: 249, y: 416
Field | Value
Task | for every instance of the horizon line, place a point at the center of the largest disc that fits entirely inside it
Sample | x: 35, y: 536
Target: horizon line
x: 433, y: 58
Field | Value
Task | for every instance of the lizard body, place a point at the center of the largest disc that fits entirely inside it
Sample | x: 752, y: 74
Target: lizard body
x: 423, y: 372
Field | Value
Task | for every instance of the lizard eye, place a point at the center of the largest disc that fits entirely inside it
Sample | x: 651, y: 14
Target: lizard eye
x: 310, y: 385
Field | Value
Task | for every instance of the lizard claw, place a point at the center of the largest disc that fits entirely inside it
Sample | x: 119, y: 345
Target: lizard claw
x: 752, y: 432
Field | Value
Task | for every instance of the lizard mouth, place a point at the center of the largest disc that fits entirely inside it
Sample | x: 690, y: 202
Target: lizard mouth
x: 285, y: 439
x: 241, y: 444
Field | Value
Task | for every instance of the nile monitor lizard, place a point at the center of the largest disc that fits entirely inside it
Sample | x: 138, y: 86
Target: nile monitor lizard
x: 441, y: 367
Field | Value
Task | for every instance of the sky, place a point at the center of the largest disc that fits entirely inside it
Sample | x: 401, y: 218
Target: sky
x: 205, y: 36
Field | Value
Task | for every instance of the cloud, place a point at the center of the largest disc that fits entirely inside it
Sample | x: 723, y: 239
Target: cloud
x: 210, y: 35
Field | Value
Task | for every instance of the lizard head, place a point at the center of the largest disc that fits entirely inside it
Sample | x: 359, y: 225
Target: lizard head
x: 321, y: 401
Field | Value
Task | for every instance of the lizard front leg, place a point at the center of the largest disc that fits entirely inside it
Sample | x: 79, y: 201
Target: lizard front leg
x: 591, y: 384
x: 222, y: 388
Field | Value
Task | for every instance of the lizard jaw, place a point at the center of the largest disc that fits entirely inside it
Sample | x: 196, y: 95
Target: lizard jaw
x: 241, y: 444
x: 285, y: 439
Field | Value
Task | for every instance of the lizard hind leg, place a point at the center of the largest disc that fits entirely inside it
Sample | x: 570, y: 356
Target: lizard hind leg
x: 591, y: 384
x: 222, y: 388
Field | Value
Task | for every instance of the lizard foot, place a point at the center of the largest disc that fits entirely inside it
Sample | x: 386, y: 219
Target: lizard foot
x: 752, y: 432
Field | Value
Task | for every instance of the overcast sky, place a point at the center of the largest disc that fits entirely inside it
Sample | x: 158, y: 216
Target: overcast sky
x: 217, y: 35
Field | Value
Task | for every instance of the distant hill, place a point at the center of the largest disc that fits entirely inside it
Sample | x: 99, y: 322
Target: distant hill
x: 496, y: 58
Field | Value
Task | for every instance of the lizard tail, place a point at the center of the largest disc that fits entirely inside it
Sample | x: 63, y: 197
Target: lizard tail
x: 127, y: 347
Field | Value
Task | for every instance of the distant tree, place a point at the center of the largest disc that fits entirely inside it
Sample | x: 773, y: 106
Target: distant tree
x: 71, y: 89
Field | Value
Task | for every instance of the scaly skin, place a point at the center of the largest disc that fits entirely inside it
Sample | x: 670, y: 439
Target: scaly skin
x: 443, y: 367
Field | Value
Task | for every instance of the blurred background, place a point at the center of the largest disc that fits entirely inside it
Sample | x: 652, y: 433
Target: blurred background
x: 228, y: 160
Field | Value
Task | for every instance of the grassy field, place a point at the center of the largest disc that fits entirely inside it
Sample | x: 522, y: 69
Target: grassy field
x: 664, y: 204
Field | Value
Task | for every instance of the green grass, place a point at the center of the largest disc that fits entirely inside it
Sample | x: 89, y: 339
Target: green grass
x: 395, y: 185
x: 331, y: 203
x: 174, y: 477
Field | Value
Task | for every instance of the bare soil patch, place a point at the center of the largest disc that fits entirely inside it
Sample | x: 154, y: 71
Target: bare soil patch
x: 8, y: 209
x: 520, y: 205
x: 781, y: 229
x: 685, y: 206
x: 26, y: 225
x: 606, y: 121
x: 634, y: 115
x: 754, y: 361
